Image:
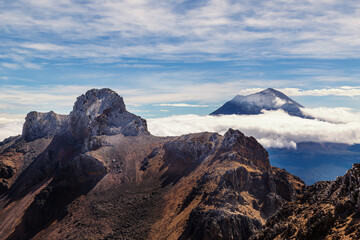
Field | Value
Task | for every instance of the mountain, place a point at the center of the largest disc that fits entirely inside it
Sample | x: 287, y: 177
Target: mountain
x: 98, y: 173
x: 269, y: 99
x: 325, y: 210
x: 310, y: 161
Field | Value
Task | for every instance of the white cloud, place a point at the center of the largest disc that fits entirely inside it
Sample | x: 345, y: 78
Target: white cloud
x: 279, y: 102
x: 10, y: 127
x: 352, y: 91
x: 214, y: 29
x: 43, y: 46
x: 180, y: 105
x: 32, y: 65
x: 272, y: 129
x: 333, y: 115
x: 10, y: 65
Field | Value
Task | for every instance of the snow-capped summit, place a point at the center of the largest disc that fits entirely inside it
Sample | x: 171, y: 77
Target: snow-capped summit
x: 268, y: 99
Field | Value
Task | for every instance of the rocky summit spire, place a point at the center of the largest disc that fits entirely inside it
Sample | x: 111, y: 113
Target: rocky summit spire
x: 103, y: 112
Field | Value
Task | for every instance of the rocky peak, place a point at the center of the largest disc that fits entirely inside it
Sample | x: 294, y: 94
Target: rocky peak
x: 103, y: 112
x: 95, y: 101
x: 39, y: 125
x: 246, y: 147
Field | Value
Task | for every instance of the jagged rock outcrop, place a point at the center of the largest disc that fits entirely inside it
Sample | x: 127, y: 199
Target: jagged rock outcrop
x: 39, y: 125
x: 103, y: 112
x: 100, y: 175
x: 325, y: 210
x: 245, y: 148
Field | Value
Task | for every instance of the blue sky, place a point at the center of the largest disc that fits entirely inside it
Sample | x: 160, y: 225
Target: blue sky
x: 177, y: 57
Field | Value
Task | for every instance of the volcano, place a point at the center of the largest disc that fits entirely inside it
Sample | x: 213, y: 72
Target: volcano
x: 268, y: 99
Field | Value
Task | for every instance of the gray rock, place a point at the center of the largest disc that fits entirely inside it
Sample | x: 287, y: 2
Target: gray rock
x: 39, y: 125
x: 103, y: 112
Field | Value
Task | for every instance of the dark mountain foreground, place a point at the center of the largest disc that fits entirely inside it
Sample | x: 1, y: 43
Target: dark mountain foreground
x: 325, y: 210
x: 99, y: 174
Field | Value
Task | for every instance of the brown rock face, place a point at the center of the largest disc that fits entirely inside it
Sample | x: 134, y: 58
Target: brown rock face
x: 226, y: 191
x: 325, y: 210
x: 103, y: 176
x: 246, y: 148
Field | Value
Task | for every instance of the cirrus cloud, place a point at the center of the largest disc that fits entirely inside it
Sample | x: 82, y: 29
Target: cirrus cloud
x: 177, y: 30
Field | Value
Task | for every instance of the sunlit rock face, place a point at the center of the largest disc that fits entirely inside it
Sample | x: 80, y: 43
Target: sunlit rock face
x: 38, y: 125
x: 103, y: 112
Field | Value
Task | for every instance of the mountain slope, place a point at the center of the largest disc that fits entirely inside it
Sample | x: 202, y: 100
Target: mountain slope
x: 269, y: 99
x: 326, y: 210
x: 99, y: 174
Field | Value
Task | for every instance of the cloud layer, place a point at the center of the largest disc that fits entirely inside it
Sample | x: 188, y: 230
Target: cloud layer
x: 271, y: 129
x: 110, y: 30
x: 10, y: 127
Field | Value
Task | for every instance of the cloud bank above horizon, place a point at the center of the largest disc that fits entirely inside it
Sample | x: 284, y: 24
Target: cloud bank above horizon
x: 10, y: 127
x: 272, y: 128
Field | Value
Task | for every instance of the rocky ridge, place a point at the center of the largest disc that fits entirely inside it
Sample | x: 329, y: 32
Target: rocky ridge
x: 99, y: 174
x: 325, y: 210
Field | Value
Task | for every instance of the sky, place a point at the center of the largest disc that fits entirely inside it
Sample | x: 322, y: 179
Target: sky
x: 175, y: 58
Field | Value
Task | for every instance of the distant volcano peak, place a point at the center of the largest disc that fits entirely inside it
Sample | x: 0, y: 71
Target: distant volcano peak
x: 268, y: 99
